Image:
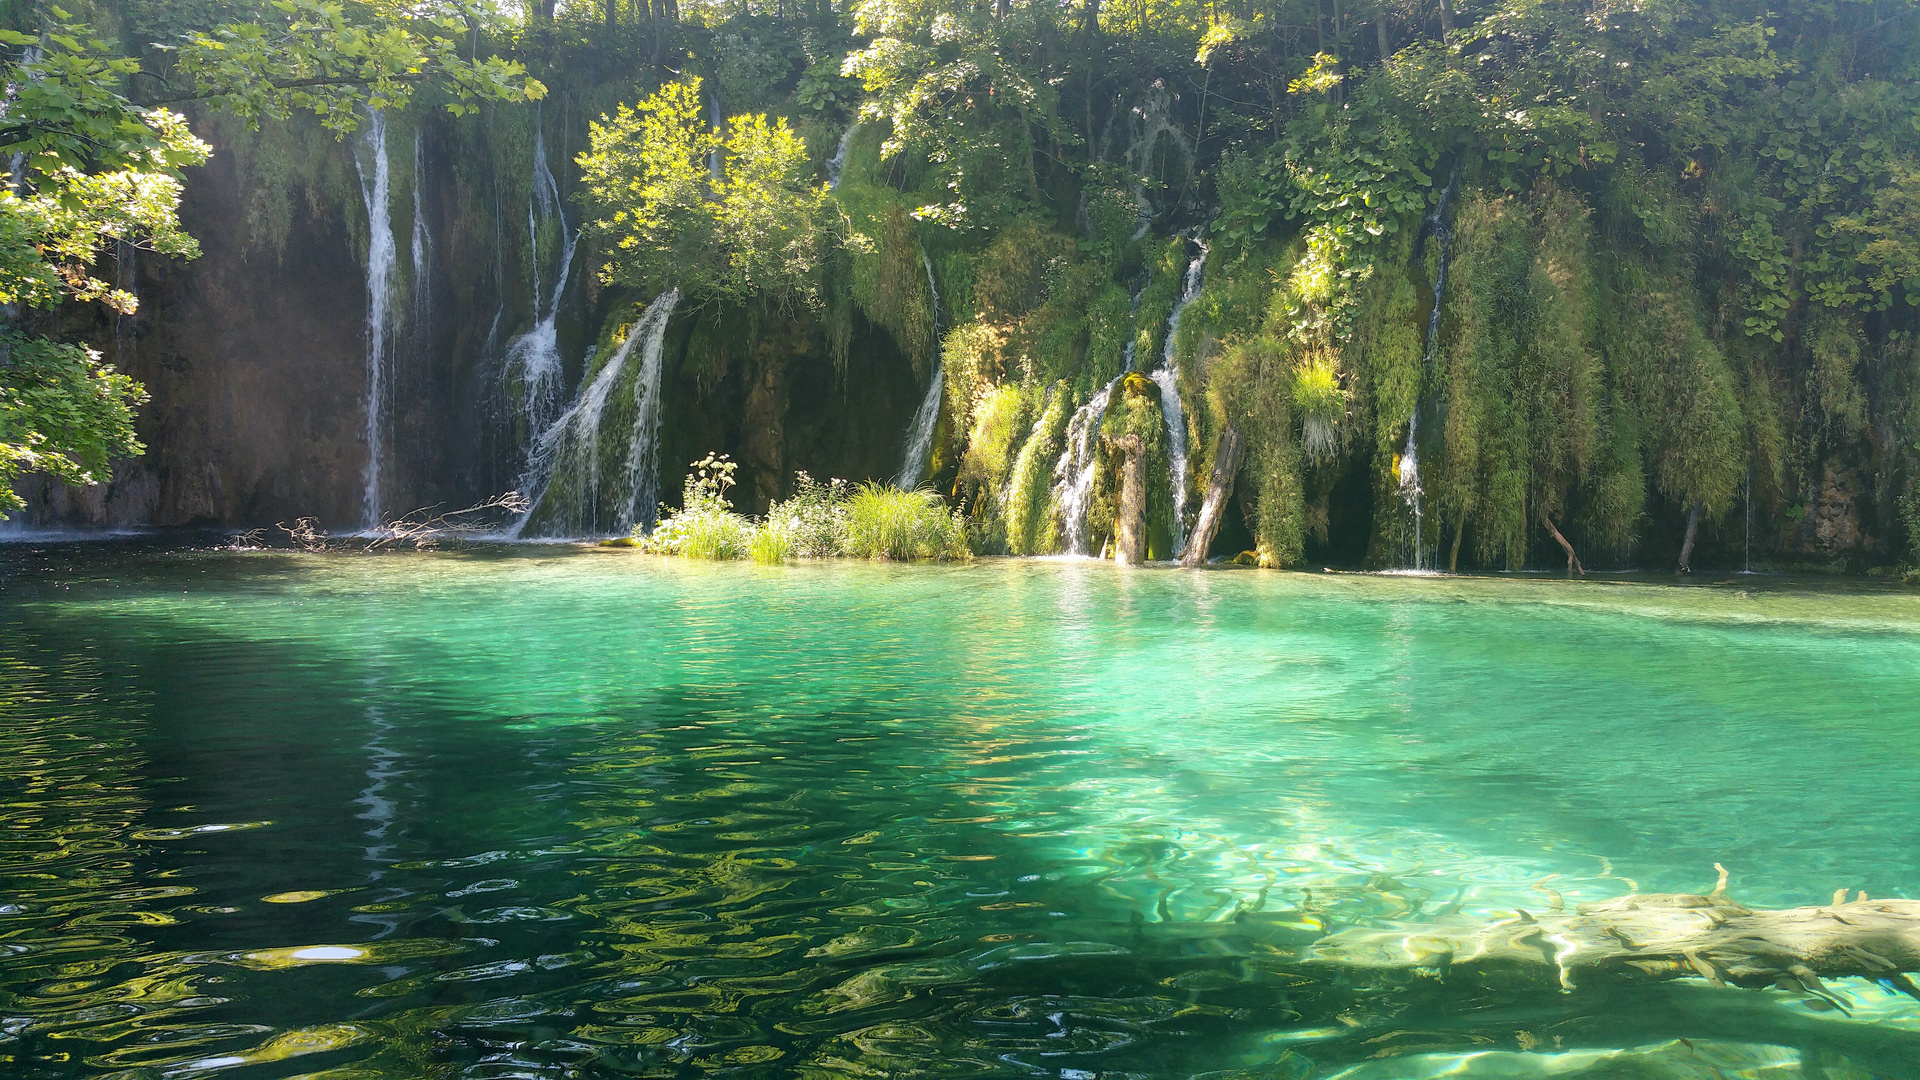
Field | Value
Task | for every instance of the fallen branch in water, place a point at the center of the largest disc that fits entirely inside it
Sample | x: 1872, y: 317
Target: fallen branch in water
x: 423, y: 528
x: 1657, y: 937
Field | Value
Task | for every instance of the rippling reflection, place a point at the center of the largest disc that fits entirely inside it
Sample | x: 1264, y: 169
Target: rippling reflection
x: 560, y: 814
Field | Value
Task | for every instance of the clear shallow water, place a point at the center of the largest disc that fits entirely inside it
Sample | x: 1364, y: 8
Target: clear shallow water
x: 550, y: 812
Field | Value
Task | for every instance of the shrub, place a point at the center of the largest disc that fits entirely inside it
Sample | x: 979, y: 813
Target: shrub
x: 814, y: 521
x: 886, y: 523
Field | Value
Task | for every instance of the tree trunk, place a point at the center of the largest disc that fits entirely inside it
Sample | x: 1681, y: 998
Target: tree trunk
x: 1652, y: 938
x: 1453, y: 557
x: 1446, y: 17
x: 544, y: 9
x: 1380, y: 32
x: 1130, y: 517
x: 1573, y: 561
x: 1226, y: 462
x: 613, y: 12
x: 1686, y: 548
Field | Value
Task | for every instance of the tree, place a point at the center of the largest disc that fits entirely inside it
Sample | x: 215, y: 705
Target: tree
x: 733, y: 216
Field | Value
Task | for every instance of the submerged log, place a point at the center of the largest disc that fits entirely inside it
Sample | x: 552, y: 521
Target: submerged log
x: 1130, y: 517
x: 1656, y: 938
x: 1226, y: 462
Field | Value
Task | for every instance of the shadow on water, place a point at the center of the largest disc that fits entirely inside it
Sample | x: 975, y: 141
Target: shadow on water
x: 311, y: 816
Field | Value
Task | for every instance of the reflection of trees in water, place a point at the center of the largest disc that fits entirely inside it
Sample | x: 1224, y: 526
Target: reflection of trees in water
x: 941, y: 871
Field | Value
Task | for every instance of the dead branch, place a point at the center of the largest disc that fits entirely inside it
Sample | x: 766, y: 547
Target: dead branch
x: 423, y: 528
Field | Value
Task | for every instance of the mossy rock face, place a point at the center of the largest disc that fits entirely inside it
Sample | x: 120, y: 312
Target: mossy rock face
x: 1138, y: 384
x: 619, y: 542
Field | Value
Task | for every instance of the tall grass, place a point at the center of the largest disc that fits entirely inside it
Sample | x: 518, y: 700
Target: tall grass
x: 822, y: 520
x: 884, y: 522
x: 771, y: 543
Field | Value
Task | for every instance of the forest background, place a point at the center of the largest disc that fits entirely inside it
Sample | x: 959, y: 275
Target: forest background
x: 1592, y: 276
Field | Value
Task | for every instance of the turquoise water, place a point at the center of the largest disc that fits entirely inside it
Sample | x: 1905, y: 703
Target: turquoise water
x: 550, y: 812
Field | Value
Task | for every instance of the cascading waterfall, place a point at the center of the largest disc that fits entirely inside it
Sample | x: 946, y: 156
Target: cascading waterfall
x: 1167, y: 377
x: 838, y: 162
x: 1410, y: 456
x: 643, y: 453
x: 381, y: 251
x: 567, y: 453
x: 534, y: 357
x: 913, y: 468
x: 1073, y: 472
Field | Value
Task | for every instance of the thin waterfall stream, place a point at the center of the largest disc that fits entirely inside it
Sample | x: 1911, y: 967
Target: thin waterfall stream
x: 643, y: 453
x: 837, y: 164
x: 534, y: 357
x: 420, y: 251
x: 919, y: 452
x: 376, y: 189
x: 1409, y: 477
x: 1167, y: 378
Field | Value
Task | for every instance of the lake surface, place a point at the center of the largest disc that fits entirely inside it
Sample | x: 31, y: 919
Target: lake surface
x: 552, y: 812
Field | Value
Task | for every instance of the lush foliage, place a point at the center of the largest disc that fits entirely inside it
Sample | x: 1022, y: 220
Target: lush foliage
x: 97, y: 171
x: 1575, y: 272
x: 729, y: 214
x: 821, y: 520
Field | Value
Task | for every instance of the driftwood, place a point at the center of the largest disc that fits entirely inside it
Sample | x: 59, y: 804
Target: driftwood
x: 1130, y: 517
x: 1656, y: 938
x: 1226, y: 462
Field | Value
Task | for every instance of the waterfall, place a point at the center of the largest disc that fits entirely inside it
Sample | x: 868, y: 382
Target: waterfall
x: 375, y: 190
x: 420, y: 253
x: 1147, y: 122
x: 126, y: 279
x: 535, y: 355
x: 1410, y: 456
x: 913, y: 468
x: 643, y: 457
x: 1167, y: 377
x: 568, y: 451
x: 1073, y: 472
x: 838, y: 162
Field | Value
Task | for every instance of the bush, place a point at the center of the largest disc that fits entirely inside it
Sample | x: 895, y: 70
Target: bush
x: 884, y: 522
x: 814, y: 521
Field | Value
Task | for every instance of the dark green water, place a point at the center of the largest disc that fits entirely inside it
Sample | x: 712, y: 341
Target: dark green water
x: 552, y: 813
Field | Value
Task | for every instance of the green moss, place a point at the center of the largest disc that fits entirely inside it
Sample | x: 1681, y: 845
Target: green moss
x: 1031, y: 528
